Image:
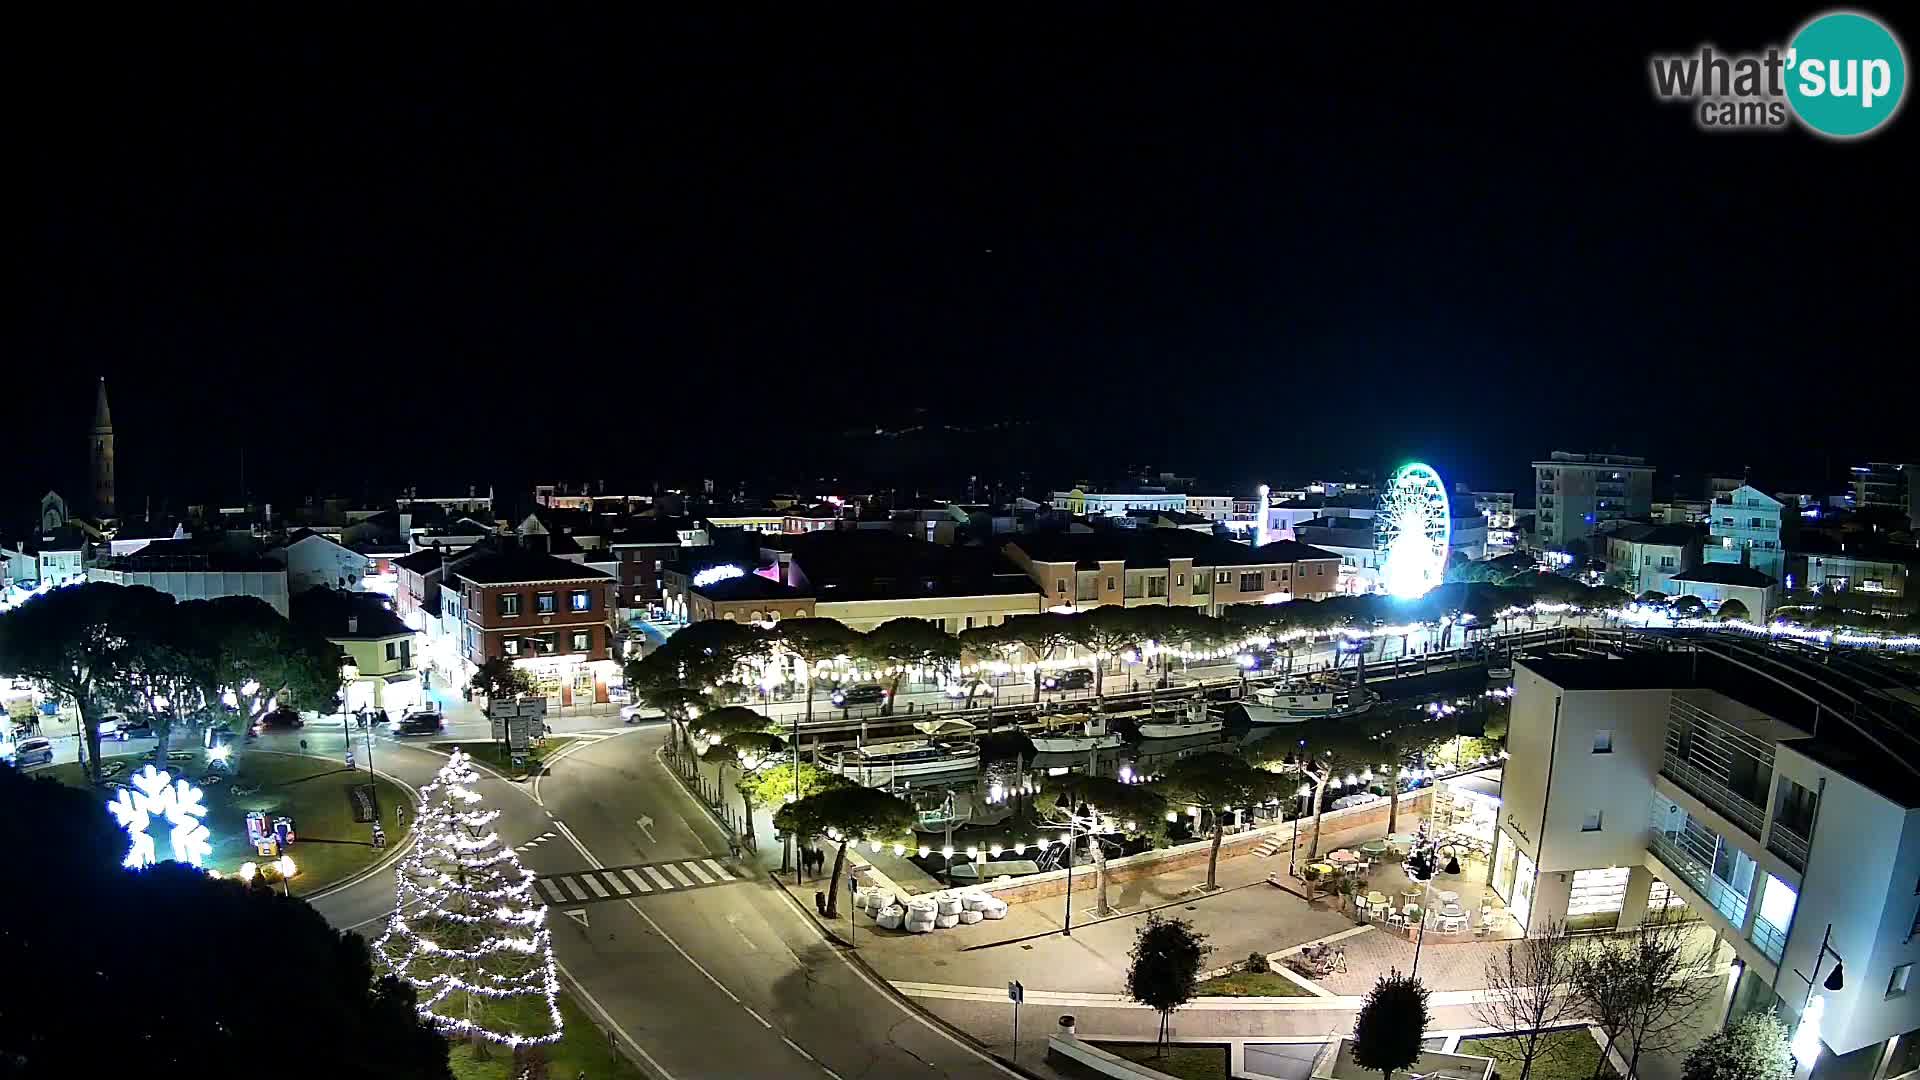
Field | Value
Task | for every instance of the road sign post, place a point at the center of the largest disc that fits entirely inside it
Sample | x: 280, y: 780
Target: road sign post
x: 853, y: 886
x: 1016, y: 993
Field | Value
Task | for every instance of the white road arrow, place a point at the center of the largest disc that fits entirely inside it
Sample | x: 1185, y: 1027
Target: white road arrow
x: 578, y: 915
x: 646, y: 826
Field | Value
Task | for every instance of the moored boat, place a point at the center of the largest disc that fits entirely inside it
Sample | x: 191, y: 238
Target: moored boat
x: 1075, y: 732
x: 877, y: 764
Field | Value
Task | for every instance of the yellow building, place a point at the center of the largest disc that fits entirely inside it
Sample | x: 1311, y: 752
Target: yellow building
x: 378, y: 651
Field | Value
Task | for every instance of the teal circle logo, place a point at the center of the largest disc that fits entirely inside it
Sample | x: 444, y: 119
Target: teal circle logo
x: 1846, y: 74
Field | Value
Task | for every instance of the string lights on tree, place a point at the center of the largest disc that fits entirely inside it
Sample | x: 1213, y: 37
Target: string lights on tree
x: 467, y: 930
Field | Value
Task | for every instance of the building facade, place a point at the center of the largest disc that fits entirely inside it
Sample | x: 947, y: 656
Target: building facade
x: 198, y: 576
x: 1645, y: 558
x: 1885, y: 486
x: 1724, y: 784
x: 1715, y: 584
x: 1745, y: 529
x: 1575, y: 495
x: 1170, y: 567
x: 314, y: 561
x: 546, y: 614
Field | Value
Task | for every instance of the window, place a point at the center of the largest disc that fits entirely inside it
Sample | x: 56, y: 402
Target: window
x: 1059, y: 585
x: 1221, y: 578
x: 1603, y: 741
x: 510, y: 647
x: 1250, y: 582
x: 1753, y: 523
x: 582, y: 641
x: 581, y: 600
x: 1179, y: 579
x: 1591, y: 823
x: 544, y: 603
x: 393, y: 650
x: 1109, y: 583
x: 1273, y: 575
x: 1666, y: 562
x: 549, y: 642
x: 1897, y: 985
x: 509, y: 604
x: 406, y: 654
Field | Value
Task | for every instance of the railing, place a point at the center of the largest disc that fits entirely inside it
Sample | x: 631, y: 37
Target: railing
x: 1789, y: 845
x: 1769, y: 939
x: 1726, y: 900
x: 1721, y: 798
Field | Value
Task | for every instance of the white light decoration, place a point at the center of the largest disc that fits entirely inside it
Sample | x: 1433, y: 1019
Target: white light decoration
x: 1411, y: 531
x: 1805, y: 1046
x: 713, y: 574
x: 156, y: 794
x: 467, y: 930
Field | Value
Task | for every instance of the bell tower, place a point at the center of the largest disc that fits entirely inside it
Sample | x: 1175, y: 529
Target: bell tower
x: 101, y: 447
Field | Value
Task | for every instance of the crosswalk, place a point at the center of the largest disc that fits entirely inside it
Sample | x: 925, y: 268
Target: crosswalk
x: 625, y: 882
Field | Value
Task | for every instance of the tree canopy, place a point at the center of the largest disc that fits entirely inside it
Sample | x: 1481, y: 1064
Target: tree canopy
x: 1391, y: 1025
x: 500, y: 679
x: 1163, y: 972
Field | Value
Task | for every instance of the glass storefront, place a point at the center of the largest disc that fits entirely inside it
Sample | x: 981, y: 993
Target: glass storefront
x: 1596, y: 898
x: 1521, y: 905
x: 1503, y: 867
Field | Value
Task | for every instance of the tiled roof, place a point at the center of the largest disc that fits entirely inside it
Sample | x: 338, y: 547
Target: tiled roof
x: 511, y: 567
x: 1726, y: 574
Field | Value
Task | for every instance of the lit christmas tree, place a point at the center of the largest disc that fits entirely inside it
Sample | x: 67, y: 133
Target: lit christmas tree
x: 467, y: 930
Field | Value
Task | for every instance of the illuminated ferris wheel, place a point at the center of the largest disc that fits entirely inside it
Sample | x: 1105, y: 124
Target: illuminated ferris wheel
x: 1411, y: 531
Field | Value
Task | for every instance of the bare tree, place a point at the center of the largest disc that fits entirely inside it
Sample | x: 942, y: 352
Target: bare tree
x: 1644, y: 986
x: 1530, y: 988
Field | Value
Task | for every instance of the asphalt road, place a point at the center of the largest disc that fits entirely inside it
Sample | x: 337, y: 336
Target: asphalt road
x: 729, y: 979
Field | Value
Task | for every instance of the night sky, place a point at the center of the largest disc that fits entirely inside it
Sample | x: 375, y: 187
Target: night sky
x: 526, y: 245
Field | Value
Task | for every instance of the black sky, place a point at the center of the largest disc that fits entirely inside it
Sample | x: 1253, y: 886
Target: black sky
x: 527, y: 243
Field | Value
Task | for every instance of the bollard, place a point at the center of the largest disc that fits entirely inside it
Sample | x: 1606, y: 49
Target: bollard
x: 1066, y: 1023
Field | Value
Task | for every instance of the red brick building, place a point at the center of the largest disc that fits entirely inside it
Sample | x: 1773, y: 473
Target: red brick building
x: 643, y: 554
x: 549, y: 615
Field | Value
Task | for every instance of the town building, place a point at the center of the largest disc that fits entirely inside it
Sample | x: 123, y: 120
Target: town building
x: 1576, y: 494
x: 1745, y: 529
x: 1170, y: 567
x: 57, y: 557
x: 1497, y: 508
x: 314, y: 561
x: 1083, y: 503
x: 197, y: 570
x: 642, y: 552
x: 1644, y: 558
x: 549, y: 615
x: 1885, y: 486
x: 378, y: 649
x: 1878, y: 569
x: 1352, y: 539
x: 1774, y: 798
x: 697, y: 591
x: 1717, y: 584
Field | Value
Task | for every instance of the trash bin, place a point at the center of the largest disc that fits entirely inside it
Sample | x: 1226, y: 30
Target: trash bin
x: 1066, y: 1023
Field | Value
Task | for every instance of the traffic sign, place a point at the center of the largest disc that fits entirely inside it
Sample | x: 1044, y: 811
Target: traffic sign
x: 1016, y: 993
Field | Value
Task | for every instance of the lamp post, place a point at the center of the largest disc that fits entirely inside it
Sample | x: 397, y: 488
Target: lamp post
x: 1421, y: 867
x: 1304, y: 766
x: 1805, y: 1045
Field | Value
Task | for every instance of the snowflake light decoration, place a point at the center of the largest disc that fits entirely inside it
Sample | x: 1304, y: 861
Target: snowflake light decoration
x: 155, y: 793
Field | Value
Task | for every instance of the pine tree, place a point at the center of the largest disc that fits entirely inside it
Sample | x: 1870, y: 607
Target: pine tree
x: 468, y: 931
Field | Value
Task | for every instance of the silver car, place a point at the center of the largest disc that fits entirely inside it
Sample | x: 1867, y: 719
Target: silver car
x: 34, y: 751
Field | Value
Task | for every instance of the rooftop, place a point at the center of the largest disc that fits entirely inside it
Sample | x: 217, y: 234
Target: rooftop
x: 520, y: 565
x: 1661, y: 535
x: 1140, y: 548
x: 1727, y: 574
x: 328, y: 611
x: 747, y: 587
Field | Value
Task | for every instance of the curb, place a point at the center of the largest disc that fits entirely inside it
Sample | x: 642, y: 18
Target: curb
x: 852, y: 956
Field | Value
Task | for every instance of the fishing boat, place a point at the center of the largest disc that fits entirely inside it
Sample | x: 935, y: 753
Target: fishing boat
x: 1075, y: 732
x: 1197, y: 721
x: 1282, y: 705
x: 882, y: 763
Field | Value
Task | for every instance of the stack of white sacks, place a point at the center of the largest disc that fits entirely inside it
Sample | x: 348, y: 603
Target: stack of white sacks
x: 935, y: 911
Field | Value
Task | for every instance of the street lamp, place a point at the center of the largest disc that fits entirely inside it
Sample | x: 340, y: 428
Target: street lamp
x: 1421, y: 866
x: 287, y: 870
x: 1805, y: 1045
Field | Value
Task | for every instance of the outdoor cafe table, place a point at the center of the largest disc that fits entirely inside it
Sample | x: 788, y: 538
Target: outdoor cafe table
x: 1374, y: 849
x: 1343, y: 856
x: 1400, y: 841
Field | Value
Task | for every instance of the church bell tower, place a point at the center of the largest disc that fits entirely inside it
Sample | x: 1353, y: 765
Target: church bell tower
x: 102, y: 451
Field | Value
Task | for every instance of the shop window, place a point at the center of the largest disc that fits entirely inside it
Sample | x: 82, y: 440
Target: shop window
x: 582, y: 640
x: 1603, y: 741
x: 510, y: 647
x: 1591, y: 823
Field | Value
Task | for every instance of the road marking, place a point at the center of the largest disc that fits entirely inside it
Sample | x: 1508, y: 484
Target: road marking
x: 573, y: 889
x: 830, y: 1072
x: 716, y: 868
x: 796, y: 1048
x: 581, y: 989
x: 552, y: 891
x: 697, y: 872
x: 637, y: 883
x: 578, y: 915
x: 677, y: 875
x: 593, y: 883
x: 756, y: 1016
x: 618, y: 885
x: 658, y: 878
x: 646, y: 826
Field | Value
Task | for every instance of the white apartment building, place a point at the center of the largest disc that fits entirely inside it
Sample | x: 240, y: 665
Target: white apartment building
x: 1776, y: 799
x: 1116, y: 504
x: 1575, y: 495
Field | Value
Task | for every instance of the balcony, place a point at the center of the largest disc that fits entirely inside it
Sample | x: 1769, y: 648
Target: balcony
x: 1789, y: 845
x: 1721, y: 799
x: 1718, y: 871
x: 1718, y: 763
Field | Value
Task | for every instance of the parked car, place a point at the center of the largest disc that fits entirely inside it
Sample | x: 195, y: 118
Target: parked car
x: 630, y: 714
x: 282, y: 718
x: 109, y: 725
x: 860, y: 694
x: 1070, y: 679
x: 418, y: 723
x: 34, y: 751
x: 137, y: 726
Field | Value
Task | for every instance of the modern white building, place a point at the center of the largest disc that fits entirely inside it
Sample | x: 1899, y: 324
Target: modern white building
x: 1575, y: 495
x: 198, y: 575
x: 1774, y: 798
x: 1116, y: 504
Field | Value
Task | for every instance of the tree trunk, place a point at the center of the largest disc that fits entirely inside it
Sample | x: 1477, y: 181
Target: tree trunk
x: 746, y: 801
x: 162, y: 736
x: 90, y: 736
x: 1393, y: 791
x: 1319, y: 798
x: 1213, y: 853
x: 833, y: 885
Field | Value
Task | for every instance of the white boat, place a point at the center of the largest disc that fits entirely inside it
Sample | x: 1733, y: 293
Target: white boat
x: 879, y: 764
x: 1197, y: 722
x: 1500, y: 670
x: 1073, y: 733
x: 1277, y: 706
